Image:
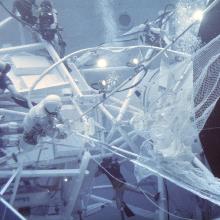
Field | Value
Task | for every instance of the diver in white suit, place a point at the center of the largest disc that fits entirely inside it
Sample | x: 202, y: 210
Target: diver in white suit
x: 43, y: 120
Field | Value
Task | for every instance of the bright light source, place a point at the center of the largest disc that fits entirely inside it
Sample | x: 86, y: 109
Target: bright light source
x: 198, y: 15
x: 103, y: 82
x: 135, y: 61
x: 102, y: 63
x: 65, y: 179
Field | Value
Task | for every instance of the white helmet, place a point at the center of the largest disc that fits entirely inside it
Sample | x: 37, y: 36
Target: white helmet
x: 52, y: 104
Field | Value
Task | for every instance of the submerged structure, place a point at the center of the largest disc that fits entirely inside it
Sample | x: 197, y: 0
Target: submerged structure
x: 138, y: 113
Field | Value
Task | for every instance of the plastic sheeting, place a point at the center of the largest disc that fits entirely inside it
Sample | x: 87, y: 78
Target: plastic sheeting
x: 172, y: 122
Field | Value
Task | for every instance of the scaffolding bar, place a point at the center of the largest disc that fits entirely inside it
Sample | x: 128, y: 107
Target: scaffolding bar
x: 43, y: 173
x: 13, y: 175
x: 77, y: 186
x: 22, y: 48
x: 16, y: 184
x: 5, y: 21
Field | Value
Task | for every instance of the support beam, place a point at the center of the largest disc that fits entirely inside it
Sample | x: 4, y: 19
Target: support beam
x: 64, y: 72
x: 102, y: 187
x: 109, y: 69
x: 162, y: 203
x: 4, y: 189
x: 118, y: 101
x: 44, y: 173
x: 45, y: 217
x: 62, y: 69
x: 14, y: 211
x: 120, y: 140
x: 22, y: 48
x: 77, y: 184
x: 5, y: 21
x: 122, y: 111
x: 16, y: 185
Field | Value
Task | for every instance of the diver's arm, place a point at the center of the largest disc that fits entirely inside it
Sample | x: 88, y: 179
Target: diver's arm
x: 14, y: 93
x: 17, y: 97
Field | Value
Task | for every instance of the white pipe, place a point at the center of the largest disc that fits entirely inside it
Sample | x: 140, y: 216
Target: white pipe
x: 42, y: 173
x: 120, y: 139
x: 16, y: 184
x: 16, y: 213
x: 107, y: 113
x: 128, y: 99
x: 13, y: 174
x: 62, y: 68
x: 5, y: 21
x: 104, y: 69
x: 129, y: 106
x: 121, y: 114
x: 22, y: 48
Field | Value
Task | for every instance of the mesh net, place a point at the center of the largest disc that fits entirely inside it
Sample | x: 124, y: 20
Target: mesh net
x: 206, y: 80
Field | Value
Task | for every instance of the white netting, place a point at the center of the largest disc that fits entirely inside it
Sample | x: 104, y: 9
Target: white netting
x: 206, y: 80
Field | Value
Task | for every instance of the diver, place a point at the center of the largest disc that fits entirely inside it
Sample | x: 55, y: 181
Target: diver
x: 26, y: 8
x: 47, y: 20
x: 43, y: 120
x: 111, y: 168
x: 6, y: 83
x: 48, y: 25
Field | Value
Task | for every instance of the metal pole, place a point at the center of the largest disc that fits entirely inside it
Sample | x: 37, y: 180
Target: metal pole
x: 132, y: 108
x: 5, y: 21
x: 77, y: 186
x: 3, y: 190
x: 123, y: 108
x: 62, y: 69
x: 22, y: 48
x: 162, y: 202
x: 43, y: 173
x: 16, y: 184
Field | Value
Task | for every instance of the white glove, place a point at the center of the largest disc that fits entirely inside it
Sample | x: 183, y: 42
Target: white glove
x: 60, y: 132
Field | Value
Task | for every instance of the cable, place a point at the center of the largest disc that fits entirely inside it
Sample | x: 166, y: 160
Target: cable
x: 142, y: 191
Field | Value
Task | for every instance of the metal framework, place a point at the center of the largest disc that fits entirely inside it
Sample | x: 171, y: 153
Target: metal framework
x: 78, y: 166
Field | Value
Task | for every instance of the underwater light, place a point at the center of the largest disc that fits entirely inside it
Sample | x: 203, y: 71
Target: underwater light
x: 65, y: 179
x: 102, y: 63
x: 198, y: 15
x: 135, y: 61
x: 103, y: 82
